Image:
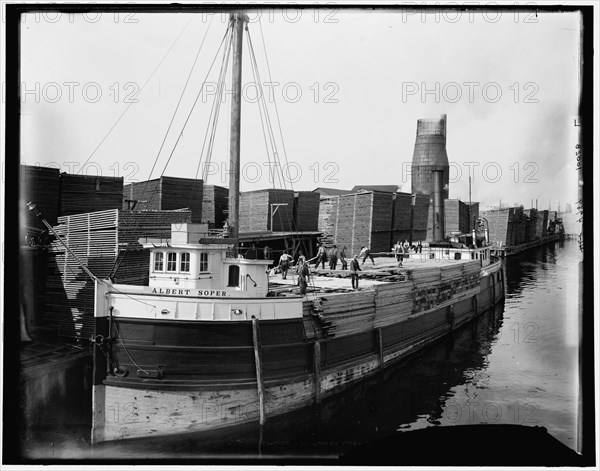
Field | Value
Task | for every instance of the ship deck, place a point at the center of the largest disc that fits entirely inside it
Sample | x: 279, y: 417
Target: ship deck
x: 383, y: 271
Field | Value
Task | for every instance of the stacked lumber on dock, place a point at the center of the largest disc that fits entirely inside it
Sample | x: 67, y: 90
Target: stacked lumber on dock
x: 84, y: 194
x: 499, y: 223
x: 541, y: 227
x: 165, y: 193
x: 107, y: 243
x: 256, y: 207
x: 306, y: 211
x: 457, y: 217
x: 356, y: 220
x: 531, y: 224
x: 215, y: 204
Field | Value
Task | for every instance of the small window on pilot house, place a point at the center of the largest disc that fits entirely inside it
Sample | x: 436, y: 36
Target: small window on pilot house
x: 234, y: 276
x: 203, y: 261
x: 184, y: 265
x: 158, y: 261
x: 171, y: 261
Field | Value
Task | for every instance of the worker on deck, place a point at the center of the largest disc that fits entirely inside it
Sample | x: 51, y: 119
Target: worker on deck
x: 284, y: 264
x: 365, y: 253
x: 333, y: 257
x: 354, y: 269
x: 343, y: 258
x: 398, y: 250
x: 303, y: 274
x: 320, y: 256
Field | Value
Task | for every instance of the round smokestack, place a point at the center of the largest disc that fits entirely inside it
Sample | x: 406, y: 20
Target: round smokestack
x: 430, y: 155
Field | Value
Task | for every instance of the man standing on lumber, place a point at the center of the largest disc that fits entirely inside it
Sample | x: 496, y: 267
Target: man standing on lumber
x: 333, y: 257
x: 320, y: 256
x: 354, y: 269
x: 365, y: 253
x: 343, y: 258
x: 284, y: 264
x: 303, y: 274
x: 399, y: 251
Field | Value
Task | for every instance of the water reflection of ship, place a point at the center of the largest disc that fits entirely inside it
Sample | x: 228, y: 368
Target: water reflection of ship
x: 390, y: 402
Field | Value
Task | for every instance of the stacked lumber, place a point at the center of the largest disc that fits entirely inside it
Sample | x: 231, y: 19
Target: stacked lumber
x: 347, y: 313
x: 84, y: 194
x: 306, y: 211
x: 393, y: 303
x: 165, y: 193
x: 328, y: 216
x: 500, y: 225
x: 542, y: 224
x: 456, y: 216
x: 530, y: 229
x: 40, y: 185
x: 256, y: 207
x: 215, y: 203
x: 401, y: 212
x: 102, y: 241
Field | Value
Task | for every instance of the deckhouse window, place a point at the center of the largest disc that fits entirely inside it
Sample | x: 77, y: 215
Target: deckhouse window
x: 234, y: 276
x: 203, y: 261
x: 158, y: 261
x: 171, y: 261
x: 184, y: 265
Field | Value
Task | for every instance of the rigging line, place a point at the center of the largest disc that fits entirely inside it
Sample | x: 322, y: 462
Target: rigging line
x: 132, y: 102
x: 194, y: 104
x: 118, y: 259
x: 215, y: 105
x: 270, y: 127
x: 274, y: 99
x: 126, y: 351
x: 262, y: 102
x: 222, y: 77
x: 155, y: 191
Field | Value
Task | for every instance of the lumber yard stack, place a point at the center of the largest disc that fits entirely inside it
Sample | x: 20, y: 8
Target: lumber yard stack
x: 107, y: 243
x: 458, y: 218
x: 403, y: 205
x: 165, y: 193
x: 306, y: 211
x: 85, y: 194
x: 256, y: 207
x: 215, y: 204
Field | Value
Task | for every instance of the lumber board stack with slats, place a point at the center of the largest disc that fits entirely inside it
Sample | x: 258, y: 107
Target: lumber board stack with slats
x: 256, y: 207
x: 165, y: 193
x: 306, y: 211
x: 355, y: 220
x: 215, y: 203
x: 40, y: 185
x: 500, y: 227
x: 542, y: 224
x: 84, y: 194
x: 107, y: 243
x: 530, y: 229
x: 456, y: 217
x: 393, y: 303
x: 347, y: 313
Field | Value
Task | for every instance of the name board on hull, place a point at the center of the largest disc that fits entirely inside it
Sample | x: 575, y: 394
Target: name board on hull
x: 203, y: 293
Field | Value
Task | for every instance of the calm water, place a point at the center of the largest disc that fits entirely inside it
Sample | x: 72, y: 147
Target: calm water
x: 516, y: 364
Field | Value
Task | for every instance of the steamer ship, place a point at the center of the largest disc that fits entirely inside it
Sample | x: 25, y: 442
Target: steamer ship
x: 213, y: 342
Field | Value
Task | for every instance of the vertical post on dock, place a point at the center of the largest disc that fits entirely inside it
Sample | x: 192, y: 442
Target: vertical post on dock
x: 317, y: 371
x: 259, y: 376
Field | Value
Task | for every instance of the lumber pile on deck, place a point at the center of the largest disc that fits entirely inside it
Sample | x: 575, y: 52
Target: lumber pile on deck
x: 107, y: 243
x: 165, y: 193
x: 393, y: 303
x: 215, y: 204
x: 347, y: 313
x: 256, y: 207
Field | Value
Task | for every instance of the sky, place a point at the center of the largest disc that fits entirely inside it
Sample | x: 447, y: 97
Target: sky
x: 348, y: 87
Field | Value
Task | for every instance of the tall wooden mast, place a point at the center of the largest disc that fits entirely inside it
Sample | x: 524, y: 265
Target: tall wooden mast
x: 238, y: 20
